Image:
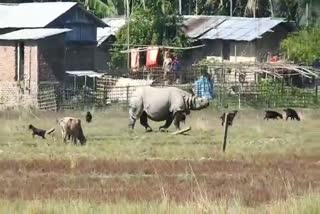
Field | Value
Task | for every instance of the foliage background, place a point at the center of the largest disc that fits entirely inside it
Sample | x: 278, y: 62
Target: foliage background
x: 157, y: 24
x: 302, y: 46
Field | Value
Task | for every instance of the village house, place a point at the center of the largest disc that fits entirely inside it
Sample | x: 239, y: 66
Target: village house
x: 38, y: 43
x: 235, y: 39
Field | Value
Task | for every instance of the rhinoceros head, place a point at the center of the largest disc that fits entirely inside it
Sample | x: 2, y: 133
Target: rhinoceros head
x: 199, y: 103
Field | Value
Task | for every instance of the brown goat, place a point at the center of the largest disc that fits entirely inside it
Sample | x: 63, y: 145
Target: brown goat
x: 71, y: 127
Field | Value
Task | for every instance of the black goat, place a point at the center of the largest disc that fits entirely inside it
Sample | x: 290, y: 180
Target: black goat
x: 292, y: 114
x: 272, y: 115
x: 88, y: 117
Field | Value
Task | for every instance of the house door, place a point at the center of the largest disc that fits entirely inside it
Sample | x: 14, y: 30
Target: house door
x: 226, y: 50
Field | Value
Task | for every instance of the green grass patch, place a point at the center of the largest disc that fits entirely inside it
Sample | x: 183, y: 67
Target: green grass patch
x: 109, y: 137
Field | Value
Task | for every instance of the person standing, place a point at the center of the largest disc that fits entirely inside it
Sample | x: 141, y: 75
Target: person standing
x: 176, y: 70
x: 167, y: 64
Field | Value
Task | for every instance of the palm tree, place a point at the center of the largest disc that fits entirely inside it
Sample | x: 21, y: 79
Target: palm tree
x: 259, y: 8
x: 101, y: 8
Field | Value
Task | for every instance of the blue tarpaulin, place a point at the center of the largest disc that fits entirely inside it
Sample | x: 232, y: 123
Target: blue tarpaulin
x: 203, y: 87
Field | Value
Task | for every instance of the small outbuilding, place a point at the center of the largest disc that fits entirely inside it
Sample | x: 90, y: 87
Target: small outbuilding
x: 30, y: 59
x: 38, y: 43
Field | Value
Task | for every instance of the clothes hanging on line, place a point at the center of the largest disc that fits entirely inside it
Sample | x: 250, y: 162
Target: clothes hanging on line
x: 152, y: 56
x: 135, y: 57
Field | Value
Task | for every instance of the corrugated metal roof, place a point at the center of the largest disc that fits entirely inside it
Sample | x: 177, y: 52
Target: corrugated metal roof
x: 32, y: 15
x: 228, y: 28
x: 32, y: 34
x: 85, y: 73
x: 36, y: 14
x: 198, y: 25
x: 103, y: 34
x: 114, y: 23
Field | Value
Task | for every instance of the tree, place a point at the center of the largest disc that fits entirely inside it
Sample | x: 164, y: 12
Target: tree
x: 158, y: 24
x: 302, y: 46
x: 258, y: 8
x: 101, y: 8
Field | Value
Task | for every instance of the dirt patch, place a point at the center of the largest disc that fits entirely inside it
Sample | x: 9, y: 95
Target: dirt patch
x: 181, y: 180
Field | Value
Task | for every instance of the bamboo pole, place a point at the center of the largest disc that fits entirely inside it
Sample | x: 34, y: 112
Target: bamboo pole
x: 225, y: 132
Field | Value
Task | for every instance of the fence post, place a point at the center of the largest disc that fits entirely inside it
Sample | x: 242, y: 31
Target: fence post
x: 225, y: 132
x: 240, y: 89
x: 316, y: 81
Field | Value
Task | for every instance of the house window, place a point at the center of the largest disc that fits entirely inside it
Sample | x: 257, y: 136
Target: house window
x: 19, y: 61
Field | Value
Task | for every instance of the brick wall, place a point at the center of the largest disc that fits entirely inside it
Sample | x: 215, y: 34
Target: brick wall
x: 44, y: 61
x: 12, y: 92
x: 12, y: 96
x: 7, y: 61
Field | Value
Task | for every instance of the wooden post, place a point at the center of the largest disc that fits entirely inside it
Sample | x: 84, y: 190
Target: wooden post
x: 316, y: 83
x: 18, y: 62
x: 128, y: 33
x: 196, y: 7
x: 225, y: 132
x: 128, y: 95
x: 235, y: 53
x: 240, y: 88
x: 74, y: 83
x: 307, y: 14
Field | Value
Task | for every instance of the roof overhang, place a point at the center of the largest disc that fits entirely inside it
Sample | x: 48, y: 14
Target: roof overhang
x: 33, y: 34
x: 38, y: 14
x: 32, y: 15
x: 84, y: 73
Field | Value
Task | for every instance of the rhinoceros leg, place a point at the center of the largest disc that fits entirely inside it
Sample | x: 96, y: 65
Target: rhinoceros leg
x: 132, y: 122
x: 144, y: 121
x: 177, y: 119
x: 167, y: 124
x: 134, y: 114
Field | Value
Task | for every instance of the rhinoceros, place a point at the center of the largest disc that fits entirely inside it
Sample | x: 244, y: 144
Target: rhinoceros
x: 162, y: 104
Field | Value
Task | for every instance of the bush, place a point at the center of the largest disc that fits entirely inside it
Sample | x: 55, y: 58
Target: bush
x: 302, y: 46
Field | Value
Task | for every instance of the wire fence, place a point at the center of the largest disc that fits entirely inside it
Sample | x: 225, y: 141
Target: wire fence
x: 157, y: 74
x: 232, y: 95
x: 270, y: 95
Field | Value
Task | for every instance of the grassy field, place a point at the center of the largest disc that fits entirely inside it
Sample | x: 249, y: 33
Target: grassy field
x: 269, y: 166
x: 296, y: 205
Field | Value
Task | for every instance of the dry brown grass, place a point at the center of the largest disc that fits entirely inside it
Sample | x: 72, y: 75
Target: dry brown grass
x: 141, y: 181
